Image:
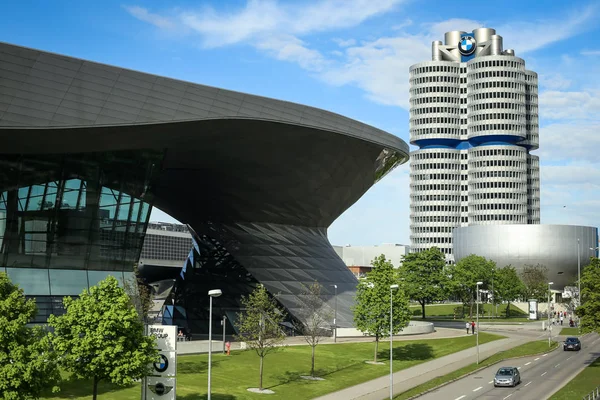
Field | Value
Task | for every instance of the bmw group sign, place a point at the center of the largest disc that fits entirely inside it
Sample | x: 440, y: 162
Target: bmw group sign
x: 160, y: 385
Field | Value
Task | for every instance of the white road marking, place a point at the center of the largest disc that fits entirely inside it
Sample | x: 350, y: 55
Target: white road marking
x: 491, y: 382
x: 544, y: 355
x: 556, y: 366
x: 507, y: 397
x: 536, y: 359
x: 569, y: 358
x: 528, y: 383
x: 479, y: 388
x: 544, y: 373
x: 519, y: 367
x: 528, y: 363
x: 461, y: 397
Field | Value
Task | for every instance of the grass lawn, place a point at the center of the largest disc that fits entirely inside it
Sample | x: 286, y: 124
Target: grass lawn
x: 341, y: 365
x: 526, y: 349
x: 585, y: 382
x: 569, y: 332
x: 436, y: 311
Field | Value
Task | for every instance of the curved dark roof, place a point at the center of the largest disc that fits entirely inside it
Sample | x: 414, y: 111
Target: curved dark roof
x: 229, y: 155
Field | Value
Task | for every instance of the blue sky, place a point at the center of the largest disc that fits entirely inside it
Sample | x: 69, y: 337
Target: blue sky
x: 350, y: 57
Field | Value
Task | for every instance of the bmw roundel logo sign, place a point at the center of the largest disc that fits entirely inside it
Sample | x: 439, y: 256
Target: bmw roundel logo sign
x: 162, y: 364
x: 467, y: 45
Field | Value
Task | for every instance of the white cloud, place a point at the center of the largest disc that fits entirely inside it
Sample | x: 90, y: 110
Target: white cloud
x: 345, y: 43
x: 144, y: 15
x: 590, y: 53
x: 290, y: 48
x: 553, y: 81
x: 585, y: 176
x: 557, y: 105
x: 570, y: 141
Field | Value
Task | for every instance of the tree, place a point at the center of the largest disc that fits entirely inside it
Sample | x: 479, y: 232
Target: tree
x: 507, y: 286
x: 313, y: 317
x: 259, y: 324
x: 589, y: 311
x: 101, y: 337
x: 535, y: 280
x: 465, y: 274
x: 372, y: 308
x: 424, y: 276
x: 27, y: 363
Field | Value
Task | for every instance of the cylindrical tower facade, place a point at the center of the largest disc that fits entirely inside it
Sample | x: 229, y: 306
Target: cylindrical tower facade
x: 474, y: 119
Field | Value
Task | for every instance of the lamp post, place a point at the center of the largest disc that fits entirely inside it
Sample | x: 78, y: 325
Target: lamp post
x: 335, y: 314
x: 211, y: 294
x: 549, y: 327
x: 392, y: 287
x: 477, y: 339
x: 224, y: 323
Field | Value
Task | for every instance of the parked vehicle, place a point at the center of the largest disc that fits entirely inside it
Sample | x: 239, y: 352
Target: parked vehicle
x: 507, y: 376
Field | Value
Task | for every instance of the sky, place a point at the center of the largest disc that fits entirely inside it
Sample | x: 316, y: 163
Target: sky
x: 350, y: 57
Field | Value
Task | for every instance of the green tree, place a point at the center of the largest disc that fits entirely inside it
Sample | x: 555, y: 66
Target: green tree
x: 314, y: 316
x: 101, y: 337
x: 372, y: 308
x: 27, y: 363
x: 465, y: 274
x: 424, y: 276
x: 507, y: 286
x: 259, y: 325
x: 535, y: 281
x: 589, y: 311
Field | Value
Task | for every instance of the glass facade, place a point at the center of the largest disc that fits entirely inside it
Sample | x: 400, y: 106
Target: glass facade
x: 69, y: 220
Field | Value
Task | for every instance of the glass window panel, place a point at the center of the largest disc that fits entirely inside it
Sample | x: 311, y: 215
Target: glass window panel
x: 124, y: 211
x: 49, y: 201
x: 83, y: 197
x: 95, y: 277
x: 70, y: 194
x: 108, y: 197
x: 35, y: 203
x: 2, y: 201
x: 67, y: 282
x: 33, y: 281
x: 36, y: 190
x: 23, y: 197
x: 144, y: 212
x: 52, y: 187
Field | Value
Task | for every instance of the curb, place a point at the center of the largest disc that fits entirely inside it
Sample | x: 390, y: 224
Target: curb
x: 476, y: 371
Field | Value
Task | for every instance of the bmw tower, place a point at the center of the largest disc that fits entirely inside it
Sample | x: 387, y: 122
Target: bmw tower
x: 474, y: 119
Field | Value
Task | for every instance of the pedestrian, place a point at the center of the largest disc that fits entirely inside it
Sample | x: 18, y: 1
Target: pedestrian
x: 561, y: 319
x: 473, y: 327
x: 468, y: 326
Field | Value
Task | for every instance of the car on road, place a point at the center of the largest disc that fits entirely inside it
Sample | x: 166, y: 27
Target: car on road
x: 572, y: 343
x: 507, y: 376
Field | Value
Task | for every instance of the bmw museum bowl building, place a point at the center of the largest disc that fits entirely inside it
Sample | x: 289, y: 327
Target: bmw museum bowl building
x: 88, y: 149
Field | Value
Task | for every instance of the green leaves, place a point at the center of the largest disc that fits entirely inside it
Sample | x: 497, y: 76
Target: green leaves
x: 465, y: 274
x: 27, y: 363
x: 507, y: 286
x: 424, y: 276
x: 101, y: 336
x: 372, y: 309
x: 589, y: 311
x: 535, y: 279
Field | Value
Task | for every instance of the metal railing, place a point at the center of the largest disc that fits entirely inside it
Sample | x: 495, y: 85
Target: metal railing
x: 593, y: 395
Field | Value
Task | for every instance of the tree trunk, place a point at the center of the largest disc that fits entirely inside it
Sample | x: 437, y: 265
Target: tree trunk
x: 471, y: 310
x: 260, y: 386
x: 312, y: 365
x: 376, y: 347
x: 422, y: 308
x: 508, y: 310
x: 95, y: 391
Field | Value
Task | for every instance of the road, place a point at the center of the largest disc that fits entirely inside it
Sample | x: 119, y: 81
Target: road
x: 541, y: 376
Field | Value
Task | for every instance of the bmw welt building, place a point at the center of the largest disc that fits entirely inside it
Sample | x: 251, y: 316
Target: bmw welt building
x: 88, y: 149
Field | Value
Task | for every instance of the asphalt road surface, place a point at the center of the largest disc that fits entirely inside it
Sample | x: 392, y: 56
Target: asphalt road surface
x: 541, y: 376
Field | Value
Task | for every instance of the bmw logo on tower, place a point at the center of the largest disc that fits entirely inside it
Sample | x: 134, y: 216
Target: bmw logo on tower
x: 467, y: 45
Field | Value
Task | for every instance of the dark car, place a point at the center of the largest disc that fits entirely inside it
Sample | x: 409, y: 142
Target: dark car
x: 572, y: 343
x: 507, y: 376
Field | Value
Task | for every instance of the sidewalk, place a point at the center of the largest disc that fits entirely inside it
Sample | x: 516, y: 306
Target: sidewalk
x: 378, y: 389
x: 201, y: 346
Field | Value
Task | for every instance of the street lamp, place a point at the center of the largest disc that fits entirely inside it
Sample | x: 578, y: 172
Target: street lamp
x: 549, y: 327
x: 335, y: 314
x: 477, y: 339
x: 392, y: 287
x: 211, y: 294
